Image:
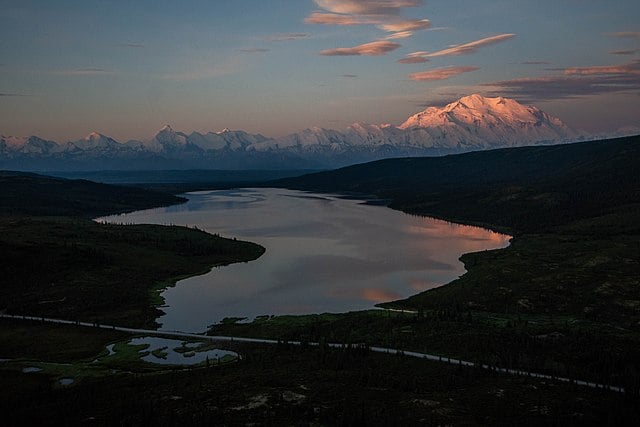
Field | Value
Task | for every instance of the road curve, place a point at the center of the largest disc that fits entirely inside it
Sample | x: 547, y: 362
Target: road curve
x: 425, y: 356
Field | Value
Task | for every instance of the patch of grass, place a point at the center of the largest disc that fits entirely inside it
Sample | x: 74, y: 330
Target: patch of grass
x: 51, y: 342
x: 160, y: 353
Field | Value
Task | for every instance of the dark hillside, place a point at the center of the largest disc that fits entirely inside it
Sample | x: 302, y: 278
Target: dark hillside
x: 38, y: 195
x: 523, y: 189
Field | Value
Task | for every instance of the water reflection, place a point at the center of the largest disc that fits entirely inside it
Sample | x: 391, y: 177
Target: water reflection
x: 324, y: 253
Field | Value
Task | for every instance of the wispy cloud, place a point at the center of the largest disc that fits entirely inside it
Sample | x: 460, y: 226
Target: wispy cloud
x: 10, y: 95
x: 441, y: 73
x: 471, y: 47
x: 349, y: 76
x: 574, y: 82
x: 285, y: 37
x: 630, y: 68
x: 399, y: 35
x: 367, y: 7
x: 382, y: 13
x: 254, y: 50
x: 335, y: 19
x: 535, y: 63
x: 625, y: 34
x: 85, y: 72
x: 414, y: 58
x: 377, y: 48
x: 406, y: 25
x: 624, y: 52
x: 131, y: 45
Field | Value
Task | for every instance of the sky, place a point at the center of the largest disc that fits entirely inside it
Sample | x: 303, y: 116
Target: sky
x: 126, y: 68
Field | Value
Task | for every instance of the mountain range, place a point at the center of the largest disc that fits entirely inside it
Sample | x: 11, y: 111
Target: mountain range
x: 469, y: 124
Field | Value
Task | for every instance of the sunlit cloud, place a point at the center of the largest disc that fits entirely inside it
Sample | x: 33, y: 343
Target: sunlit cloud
x: 406, y: 25
x: 414, y: 58
x: 377, y: 48
x: 574, y: 82
x: 625, y: 34
x: 624, y: 52
x: 441, y: 73
x: 288, y: 37
x: 399, y: 35
x: 382, y: 13
x: 471, y: 47
x: 335, y: 19
x: 367, y: 7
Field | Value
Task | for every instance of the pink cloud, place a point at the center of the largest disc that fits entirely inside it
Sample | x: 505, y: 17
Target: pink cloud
x: 367, y: 7
x: 412, y: 60
x: 399, y: 35
x: 472, y: 47
x: 334, y: 19
x: 441, y: 73
x: 377, y: 48
x: 406, y: 25
x: 383, y: 13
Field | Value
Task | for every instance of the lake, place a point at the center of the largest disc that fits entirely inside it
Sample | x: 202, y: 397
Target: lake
x: 324, y: 253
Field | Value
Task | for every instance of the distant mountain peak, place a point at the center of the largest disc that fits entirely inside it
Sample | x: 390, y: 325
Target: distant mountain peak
x: 94, y: 135
x: 472, y: 122
x: 492, y: 119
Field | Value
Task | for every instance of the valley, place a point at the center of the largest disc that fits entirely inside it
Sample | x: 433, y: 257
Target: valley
x: 541, y: 305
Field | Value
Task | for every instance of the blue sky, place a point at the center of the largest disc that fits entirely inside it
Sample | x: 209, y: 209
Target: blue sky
x: 126, y: 68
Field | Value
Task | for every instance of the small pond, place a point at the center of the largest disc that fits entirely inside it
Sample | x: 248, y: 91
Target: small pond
x: 166, y: 351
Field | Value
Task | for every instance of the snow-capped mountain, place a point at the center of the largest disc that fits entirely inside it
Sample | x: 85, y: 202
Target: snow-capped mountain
x: 471, y: 123
x: 480, y: 122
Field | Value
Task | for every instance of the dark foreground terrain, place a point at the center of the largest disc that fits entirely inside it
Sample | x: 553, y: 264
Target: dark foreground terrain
x: 563, y: 299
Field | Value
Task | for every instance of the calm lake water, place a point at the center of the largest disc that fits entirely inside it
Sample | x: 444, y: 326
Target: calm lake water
x: 323, y: 254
